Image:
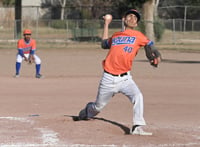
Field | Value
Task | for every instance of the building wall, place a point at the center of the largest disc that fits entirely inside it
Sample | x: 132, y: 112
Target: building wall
x: 30, y: 9
x: 31, y: 2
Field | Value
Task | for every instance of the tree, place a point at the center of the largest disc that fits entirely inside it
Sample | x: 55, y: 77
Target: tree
x: 148, y: 15
x: 62, y: 3
x: 149, y: 11
x: 89, y: 9
x: 56, y: 4
x: 8, y: 2
x: 156, y: 8
x: 121, y: 6
x: 176, y: 9
x: 1, y: 2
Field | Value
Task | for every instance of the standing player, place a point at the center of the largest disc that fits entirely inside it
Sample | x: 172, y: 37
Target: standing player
x: 116, y: 77
x: 26, y: 51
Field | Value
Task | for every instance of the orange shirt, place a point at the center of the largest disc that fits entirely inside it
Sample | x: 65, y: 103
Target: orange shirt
x: 124, y: 48
x: 26, y: 47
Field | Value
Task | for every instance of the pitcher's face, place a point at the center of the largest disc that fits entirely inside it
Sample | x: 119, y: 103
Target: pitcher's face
x: 130, y: 21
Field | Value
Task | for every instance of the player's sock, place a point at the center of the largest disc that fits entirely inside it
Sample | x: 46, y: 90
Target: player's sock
x: 37, y: 66
x: 18, y: 66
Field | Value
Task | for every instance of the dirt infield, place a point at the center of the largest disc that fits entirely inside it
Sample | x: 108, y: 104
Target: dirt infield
x: 38, y: 112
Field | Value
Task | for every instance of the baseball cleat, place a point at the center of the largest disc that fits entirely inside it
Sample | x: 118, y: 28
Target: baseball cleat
x: 83, y: 115
x: 137, y: 130
x: 75, y: 118
x: 39, y: 76
x: 16, y: 76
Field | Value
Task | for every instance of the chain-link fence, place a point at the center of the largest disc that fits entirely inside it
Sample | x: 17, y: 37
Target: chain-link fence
x: 177, y: 30
x: 175, y: 33
x: 91, y: 30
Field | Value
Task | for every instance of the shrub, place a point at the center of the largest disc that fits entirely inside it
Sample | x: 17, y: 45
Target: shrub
x: 58, y: 24
x: 159, y: 29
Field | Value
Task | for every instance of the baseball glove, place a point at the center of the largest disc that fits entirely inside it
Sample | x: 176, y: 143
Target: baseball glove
x: 31, y: 59
x: 154, y: 62
x: 153, y: 55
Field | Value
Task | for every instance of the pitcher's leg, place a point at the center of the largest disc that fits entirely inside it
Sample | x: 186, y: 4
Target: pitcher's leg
x: 138, y: 109
x: 105, y: 93
x: 132, y: 91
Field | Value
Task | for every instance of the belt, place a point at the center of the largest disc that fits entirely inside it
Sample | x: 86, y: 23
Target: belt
x: 120, y: 75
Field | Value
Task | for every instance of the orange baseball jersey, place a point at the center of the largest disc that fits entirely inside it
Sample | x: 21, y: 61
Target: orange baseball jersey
x: 26, y: 47
x: 123, y: 49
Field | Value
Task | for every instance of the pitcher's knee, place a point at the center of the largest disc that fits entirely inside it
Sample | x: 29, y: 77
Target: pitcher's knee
x: 137, y: 97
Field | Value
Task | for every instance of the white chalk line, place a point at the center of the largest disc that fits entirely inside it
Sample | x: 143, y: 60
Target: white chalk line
x: 21, y: 119
x: 176, y: 145
x: 50, y: 139
x: 58, y: 145
x: 84, y: 145
x: 49, y: 136
x: 166, y: 145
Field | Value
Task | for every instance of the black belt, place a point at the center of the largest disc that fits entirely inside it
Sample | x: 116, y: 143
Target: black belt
x: 120, y: 75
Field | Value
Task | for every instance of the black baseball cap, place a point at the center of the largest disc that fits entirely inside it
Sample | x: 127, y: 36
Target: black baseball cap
x: 133, y: 11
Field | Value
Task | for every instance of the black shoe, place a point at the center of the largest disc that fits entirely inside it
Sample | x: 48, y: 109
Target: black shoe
x: 38, y: 76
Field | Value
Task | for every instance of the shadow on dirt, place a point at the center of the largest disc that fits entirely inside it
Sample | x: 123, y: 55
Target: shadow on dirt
x: 124, y: 128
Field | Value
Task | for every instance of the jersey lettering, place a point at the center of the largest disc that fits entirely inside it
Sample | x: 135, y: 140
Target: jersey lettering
x: 27, y: 49
x: 123, y: 40
x: 128, y: 49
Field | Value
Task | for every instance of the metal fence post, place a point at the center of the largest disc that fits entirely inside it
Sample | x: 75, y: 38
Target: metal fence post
x: 18, y: 15
x: 174, y: 29
x: 185, y: 17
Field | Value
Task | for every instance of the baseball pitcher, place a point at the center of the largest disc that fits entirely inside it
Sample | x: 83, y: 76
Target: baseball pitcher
x: 123, y: 47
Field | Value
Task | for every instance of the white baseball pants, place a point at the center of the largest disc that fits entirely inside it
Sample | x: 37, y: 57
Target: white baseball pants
x: 20, y: 58
x: 110, y: 85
